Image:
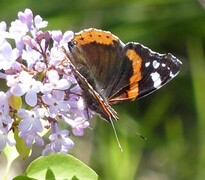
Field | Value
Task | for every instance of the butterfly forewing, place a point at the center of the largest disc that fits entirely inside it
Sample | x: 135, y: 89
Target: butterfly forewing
x: 98, y: 56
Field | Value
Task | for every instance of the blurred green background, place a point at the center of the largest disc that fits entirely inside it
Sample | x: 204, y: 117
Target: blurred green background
x: 172, y: 119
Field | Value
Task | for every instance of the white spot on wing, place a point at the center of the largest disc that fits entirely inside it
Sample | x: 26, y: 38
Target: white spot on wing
x: 156, y: 79
x: 163, y: 65
x: 155, y: 64
x: 147, y: 64
x: 171, y: 74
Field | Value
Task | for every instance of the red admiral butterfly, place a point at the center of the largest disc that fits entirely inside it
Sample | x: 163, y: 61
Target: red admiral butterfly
x: 111, y: 72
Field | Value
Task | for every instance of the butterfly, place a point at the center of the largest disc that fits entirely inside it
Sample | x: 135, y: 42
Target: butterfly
x: 111, y: 72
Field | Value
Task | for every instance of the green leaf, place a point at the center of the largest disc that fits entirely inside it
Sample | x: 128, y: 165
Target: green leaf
x: 23, y: 178
x: 23, y: 150
x: 49, y: 174
x: 15, y: 102
x: 60, y: 166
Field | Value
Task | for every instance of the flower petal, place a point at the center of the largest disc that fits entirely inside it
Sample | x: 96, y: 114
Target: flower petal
x: 31, y: 98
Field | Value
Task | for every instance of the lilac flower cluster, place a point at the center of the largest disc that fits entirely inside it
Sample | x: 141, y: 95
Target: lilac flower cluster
x: 37, y: 73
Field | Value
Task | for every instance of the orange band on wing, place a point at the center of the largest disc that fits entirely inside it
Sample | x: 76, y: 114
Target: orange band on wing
x: 136, y: 77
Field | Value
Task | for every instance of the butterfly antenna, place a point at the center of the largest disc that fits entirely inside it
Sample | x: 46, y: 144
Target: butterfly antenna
x: 141, y: 136
x: 144, y: 138
x: 116, y: 136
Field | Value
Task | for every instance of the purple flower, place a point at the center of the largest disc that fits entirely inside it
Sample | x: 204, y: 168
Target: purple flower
x: 30, y: 55
x: 26, y: 18
x: 57, y: 36
x: 37, y: 71
x: 3, y: 33
x: 40, y: 66
x: 2, y: 26
x: 33, y: 25
x: 29, y: 86
x: 5, y: 119
x: 17, y: 31
x: 6, y: 138
x: 60, y: 141
x: 20, y: 27
x: 4, y: 106
x: 5, y: 122
x: 56, y: 102
x: 31, y: 137
x: 11, y: 80
x: 55, y: 83
x: 39, y: 23
x: 78, y: 123
x: 7, y: 55
x: 31, y: 119
x: 78, y: 116
x: 31, y: 125
x: 56, y: 56
x: 62, y: 39
x: 79, y: 126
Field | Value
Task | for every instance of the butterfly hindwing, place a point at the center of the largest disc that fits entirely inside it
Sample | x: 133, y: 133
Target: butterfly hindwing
x: 151, y: 71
